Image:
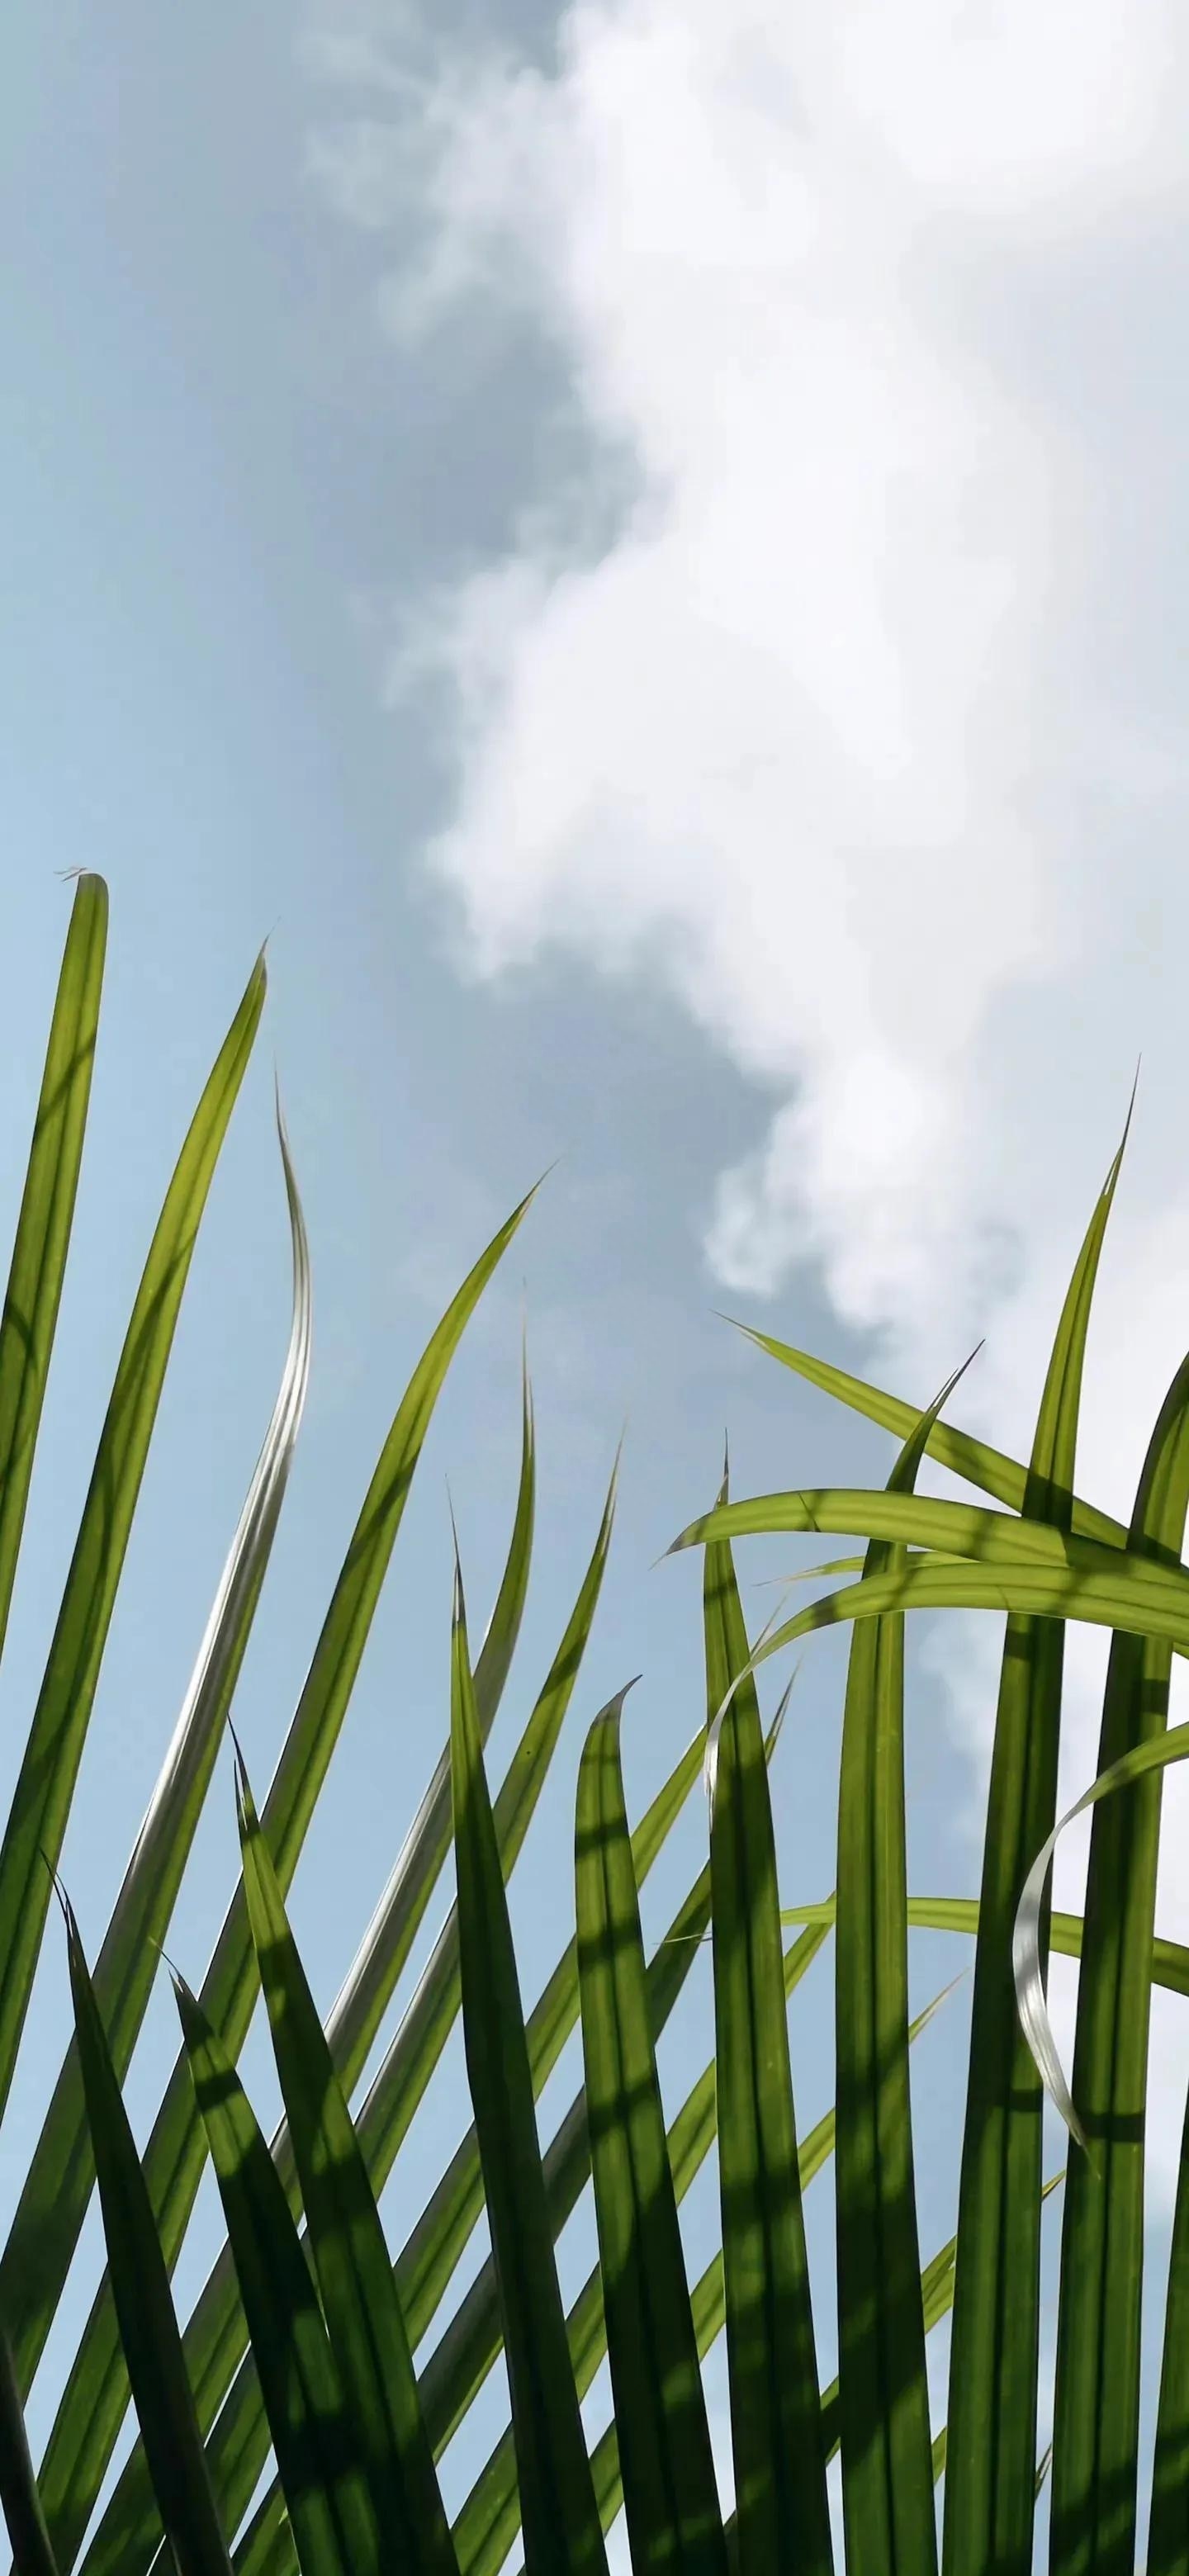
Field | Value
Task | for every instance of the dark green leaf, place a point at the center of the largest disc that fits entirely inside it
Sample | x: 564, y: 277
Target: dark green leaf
x: 561, y: 2525
x: 148, y: 2327
x: 364, y: 2319
x: 670, y: 2494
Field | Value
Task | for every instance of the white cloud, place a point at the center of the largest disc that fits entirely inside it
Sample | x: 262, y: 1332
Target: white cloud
x: 860, y: 731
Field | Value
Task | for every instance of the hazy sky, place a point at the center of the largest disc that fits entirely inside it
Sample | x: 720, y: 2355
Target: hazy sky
x: 645, y: 547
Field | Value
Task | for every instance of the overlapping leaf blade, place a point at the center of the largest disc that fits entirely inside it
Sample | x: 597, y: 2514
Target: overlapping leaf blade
x: 238, y: 2443
x: 1168, y: 2529
x: 1129, y: 1600
x: 319, y: 2456
x: 28, y: 2538
x: 364, y: 2318
x: 974, y: 1460
x: 708, y: 2306
x: 53, y: 1748
x: 670, y: 2493
x: 994, y: 2354
x: 148, y: 2327
x: 782, y: 2513
x: 465, y: 2352
x: 887, y: 2470
x: 561, y: 2526
x: 1168, y: 1963
x: 96, y: 2394
x: 1141, y: 1763
x: 53, y: 2202
x: 1095, y: 2447
x: 490, y: 2517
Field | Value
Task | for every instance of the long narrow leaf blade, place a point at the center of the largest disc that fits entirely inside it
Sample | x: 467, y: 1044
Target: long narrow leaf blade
x: 887, y: 2475
x: 238, y: 2442
x: 38, y: 1265
x: 28, y: 2538
x: 959, y: 1530
x: 96, y: 2394
x: 670, y: 2493
x: 990, y: 2499
x: 54, y: 2198
x: 1095, y: 2450
x: 561, y: 2525
x: 318, y: 2459
x: 973, y: 1460
x: 49, y: 1767
x: 782, y: 2511
x: 363, y: 2314
x: 1168, y: 2528
x: 1168, y: 1961
x: 1140, y: 1763
x: 490, y: 2518
x: 708, y: 2306
x: 466, y: 2351
x: 148, y: 2327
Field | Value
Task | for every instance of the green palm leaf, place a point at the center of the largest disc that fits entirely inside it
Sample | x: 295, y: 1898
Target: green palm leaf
x: 561, y: 2527
x: 238, y: 2443
x: 47, y: 1212
x: 53, y: 1749
x: 1168, y: 2529
x: 466, y: 2351
x: 1097, y: 2396
x: 974, y: 1460
x: 1129, y: 1600
x: 140, y: 2284
x: 363, y: 2313
x: 471, y: 2342
x: 490, y: 2518
x: 780, y: 2486
x: 1168, y: 1961
x: 991, y: 2456
x: 57, y: 2188
x: 708, y: 2297
x: 1140, y: 1763
x: 670, y: 2494
x: 887, y: 2472
x: 92, y: 2407
x: 319, y: 2456
x: 28, y: 2537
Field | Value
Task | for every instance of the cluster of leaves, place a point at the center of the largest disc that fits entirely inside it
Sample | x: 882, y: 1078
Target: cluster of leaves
x: 303, y: 2344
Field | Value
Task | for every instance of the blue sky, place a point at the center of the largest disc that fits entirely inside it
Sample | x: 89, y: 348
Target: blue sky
x: 645, y: 555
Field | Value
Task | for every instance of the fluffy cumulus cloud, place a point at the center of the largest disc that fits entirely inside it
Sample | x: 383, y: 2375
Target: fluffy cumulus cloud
x: 845, y: 700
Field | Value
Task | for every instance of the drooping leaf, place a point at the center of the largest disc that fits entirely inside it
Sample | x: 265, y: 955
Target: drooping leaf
x: 1144, y: 1760
x: 1168, y: 1963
